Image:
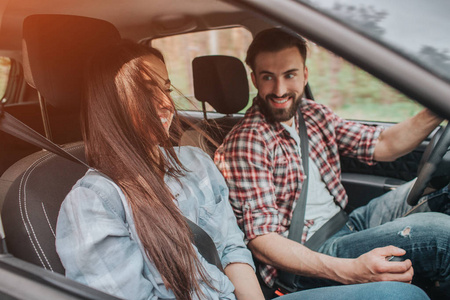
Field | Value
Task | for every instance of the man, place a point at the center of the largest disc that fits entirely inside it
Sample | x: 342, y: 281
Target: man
x: 261, y: 162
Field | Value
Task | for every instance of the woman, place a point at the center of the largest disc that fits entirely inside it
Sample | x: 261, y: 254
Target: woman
x: 121, y: 229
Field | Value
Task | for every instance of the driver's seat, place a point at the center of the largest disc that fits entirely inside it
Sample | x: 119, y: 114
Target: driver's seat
x: 32, y: 190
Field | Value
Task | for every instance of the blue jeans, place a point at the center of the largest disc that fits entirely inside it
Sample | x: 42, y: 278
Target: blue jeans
x: 423, y: 231
x: 371, y: 291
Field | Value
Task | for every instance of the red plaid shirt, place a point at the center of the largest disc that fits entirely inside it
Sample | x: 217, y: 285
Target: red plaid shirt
x: 263, y: 169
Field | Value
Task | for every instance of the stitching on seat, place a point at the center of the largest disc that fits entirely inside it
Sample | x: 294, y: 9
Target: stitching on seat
x: 27, y: 174
x: 48, y: 221
x: 27, y: 221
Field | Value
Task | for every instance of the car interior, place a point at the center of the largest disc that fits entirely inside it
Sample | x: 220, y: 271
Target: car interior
x: 47, y: 44
x: 212, y: 77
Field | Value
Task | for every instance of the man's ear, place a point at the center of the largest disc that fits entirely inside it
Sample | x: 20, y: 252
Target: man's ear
x: 306, y: 75
x: 252, y: 74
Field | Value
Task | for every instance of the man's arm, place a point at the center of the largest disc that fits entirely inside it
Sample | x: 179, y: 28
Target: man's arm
x: 403, y: 137
x: 293, y: 257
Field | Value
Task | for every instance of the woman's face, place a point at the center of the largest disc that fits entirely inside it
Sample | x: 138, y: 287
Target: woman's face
x: 165, y: 107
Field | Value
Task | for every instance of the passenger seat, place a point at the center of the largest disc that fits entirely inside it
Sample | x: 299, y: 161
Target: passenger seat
x: 33, y: 189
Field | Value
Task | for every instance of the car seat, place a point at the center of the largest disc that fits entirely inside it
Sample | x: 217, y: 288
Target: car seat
x: 55, y: 48
x: 221, y: 81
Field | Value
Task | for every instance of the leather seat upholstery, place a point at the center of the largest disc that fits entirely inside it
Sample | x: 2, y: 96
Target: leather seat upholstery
x: 32, y: 190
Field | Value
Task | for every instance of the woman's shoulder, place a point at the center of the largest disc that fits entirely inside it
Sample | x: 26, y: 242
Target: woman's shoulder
x: 95, y: 180
x: 189, y: 155
x: 97, y: 185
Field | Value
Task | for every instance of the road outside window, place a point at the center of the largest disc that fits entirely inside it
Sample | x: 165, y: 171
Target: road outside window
x: 353, y: 93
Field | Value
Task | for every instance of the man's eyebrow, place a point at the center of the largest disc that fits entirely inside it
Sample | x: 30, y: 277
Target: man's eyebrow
x: 266, y: 72
x: 285, y: 72
x: 168, y: 82
x: 291, y: 70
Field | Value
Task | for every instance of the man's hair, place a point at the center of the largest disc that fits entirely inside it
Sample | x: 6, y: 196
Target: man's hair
x: 274, y: 40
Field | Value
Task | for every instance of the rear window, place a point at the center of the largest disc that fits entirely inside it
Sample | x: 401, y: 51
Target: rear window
x: 180, y: 50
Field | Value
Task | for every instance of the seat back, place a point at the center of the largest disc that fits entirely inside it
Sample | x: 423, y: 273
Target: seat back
x: 32, y: 190
x: 221, y: 81
x: 32, y: 203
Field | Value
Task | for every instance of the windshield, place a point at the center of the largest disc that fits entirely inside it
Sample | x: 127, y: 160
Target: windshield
x: 416, y: 28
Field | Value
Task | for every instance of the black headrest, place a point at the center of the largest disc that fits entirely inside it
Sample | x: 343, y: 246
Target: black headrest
x: 221, y: 81
x: 55, y: 48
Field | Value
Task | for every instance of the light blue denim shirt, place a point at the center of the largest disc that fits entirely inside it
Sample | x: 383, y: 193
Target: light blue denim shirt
x: 97, y: 241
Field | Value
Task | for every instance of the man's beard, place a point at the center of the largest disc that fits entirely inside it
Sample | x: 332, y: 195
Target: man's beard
x: 279, y: 114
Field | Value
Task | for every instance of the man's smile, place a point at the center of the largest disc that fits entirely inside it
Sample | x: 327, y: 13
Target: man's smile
x: 281, y: 102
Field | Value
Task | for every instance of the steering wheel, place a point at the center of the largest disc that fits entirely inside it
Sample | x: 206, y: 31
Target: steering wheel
x: 430, y: 164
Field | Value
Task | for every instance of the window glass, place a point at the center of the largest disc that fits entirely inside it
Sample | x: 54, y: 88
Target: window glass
x: 417, y: 29
x: 349, y: 91
x: 353, y: 93
x: 5, y: 67
x: 180, y: 50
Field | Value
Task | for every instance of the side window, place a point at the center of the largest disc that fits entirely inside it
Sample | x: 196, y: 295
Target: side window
x: 352, y: 93
x: 5, y: 67
x: 180, y: 50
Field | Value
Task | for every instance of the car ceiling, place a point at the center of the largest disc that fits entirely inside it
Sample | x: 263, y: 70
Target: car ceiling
x: 135, y: 19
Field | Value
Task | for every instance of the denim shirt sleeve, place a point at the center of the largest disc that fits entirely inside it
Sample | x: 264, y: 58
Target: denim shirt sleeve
x: 206, y: 185
x: 95, y: 246
x: 98, y: 245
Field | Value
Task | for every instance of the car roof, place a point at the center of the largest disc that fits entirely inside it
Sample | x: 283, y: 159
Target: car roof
x: 135, y: 20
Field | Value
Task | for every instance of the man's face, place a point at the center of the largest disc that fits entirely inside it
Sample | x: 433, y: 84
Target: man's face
x: 280, y: 78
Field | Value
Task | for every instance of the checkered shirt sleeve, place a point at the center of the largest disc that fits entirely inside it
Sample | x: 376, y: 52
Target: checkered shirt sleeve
x: 245, y: 161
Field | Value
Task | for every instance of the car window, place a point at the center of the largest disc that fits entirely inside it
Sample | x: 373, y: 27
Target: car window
x: 180, y: 50
x: 415, y: 28
x: 5, y: 67
x: 353, y: 93
x: 349, y: 91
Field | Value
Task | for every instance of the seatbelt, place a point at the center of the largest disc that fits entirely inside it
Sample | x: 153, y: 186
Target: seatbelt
x: 13, y: 126
x: 287, y: 280
x: 205, y: 245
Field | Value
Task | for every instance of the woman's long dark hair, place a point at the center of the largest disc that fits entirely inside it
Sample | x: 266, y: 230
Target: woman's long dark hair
x: 126, y: 140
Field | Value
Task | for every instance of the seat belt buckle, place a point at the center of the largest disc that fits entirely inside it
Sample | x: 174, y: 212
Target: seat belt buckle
x: 284, y: 288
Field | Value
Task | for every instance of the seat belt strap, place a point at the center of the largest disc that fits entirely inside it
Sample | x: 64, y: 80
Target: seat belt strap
x: 327, y: 230
x: 205, y: 245
x: 286, y: 279
x: 15, y: 127
x: 298, y: 215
